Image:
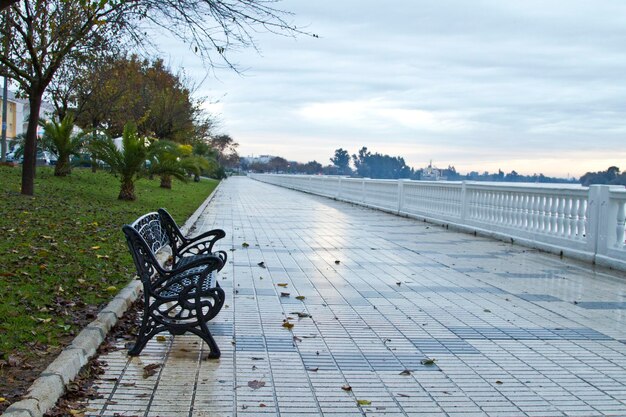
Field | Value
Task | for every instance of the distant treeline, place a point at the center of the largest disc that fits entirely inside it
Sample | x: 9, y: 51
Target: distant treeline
x: 611, y: 176
x: 375, y: 165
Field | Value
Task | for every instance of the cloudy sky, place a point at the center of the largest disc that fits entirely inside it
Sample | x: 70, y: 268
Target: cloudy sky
x: 535, y: 86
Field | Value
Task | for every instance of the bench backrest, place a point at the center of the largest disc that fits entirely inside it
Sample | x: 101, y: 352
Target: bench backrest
x: 151, y: 229
x: 144, y: 258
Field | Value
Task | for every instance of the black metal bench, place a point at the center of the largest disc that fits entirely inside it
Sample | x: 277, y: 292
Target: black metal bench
x: 181, y: 298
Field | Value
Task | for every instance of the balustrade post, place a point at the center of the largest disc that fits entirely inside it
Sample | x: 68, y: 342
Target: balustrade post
x: 363, y: 191
x: 400, y: 195
x: 338, y: 192
x: 464, y: 205
x: 580, y: 224
x: 598, y: 218
x: 619, y: 227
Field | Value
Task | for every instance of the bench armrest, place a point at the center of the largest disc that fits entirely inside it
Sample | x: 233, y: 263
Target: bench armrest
x: 201, y: 244
x: 182, y: 245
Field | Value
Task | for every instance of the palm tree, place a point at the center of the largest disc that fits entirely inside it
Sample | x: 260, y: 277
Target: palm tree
x: 59, y: 139
x: 196, y: 165
x: 165, y: 161
x: 128, y: 162
x: 203, y: 159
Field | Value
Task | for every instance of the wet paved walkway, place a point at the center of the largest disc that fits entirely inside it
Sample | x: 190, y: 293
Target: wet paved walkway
x: 511, y: 331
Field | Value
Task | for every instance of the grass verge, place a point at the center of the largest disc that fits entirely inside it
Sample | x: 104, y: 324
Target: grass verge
x: 63, y: 255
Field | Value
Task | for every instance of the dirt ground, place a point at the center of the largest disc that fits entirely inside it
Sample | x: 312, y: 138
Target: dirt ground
x: 17, y: 372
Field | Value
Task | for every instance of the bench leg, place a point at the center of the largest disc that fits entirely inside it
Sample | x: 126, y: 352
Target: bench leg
x: 204, y: 316
x: 206, y: 335
x: 147, y: 331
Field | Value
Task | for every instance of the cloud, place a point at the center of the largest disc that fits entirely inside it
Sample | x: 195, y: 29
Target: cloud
x: 382, y: 114
x: 450, y: 80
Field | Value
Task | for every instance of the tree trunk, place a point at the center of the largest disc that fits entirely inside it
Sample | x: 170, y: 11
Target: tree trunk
x: 63, y: 166
x: 94, y: 164
x: 196, y: 178
x: 127, y: 190
x: 166, y: 181
x: 30, y: 145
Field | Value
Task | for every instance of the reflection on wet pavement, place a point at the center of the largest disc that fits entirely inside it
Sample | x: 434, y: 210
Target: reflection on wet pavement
x: 391, y: 317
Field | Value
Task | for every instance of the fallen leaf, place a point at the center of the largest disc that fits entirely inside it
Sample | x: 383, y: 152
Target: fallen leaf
x: 261, y: 264
x: 40, y: 320
x: 300, y: 297
x: 111, y: 289
x: 398, y: 283
x: 288, y: 325
x: 256, y: 384
x: 161, y: 338
x: 255, y: 358
x: 297, y: 339
x: 428, y: 361
x: 363, y: 402
x: 499, y: 382
x: 403, y: 395
x: 313, y: 369
x: 282, y: 284
x: 301, y: 314
x: 150, y: 370
x: 95, y: 247
x: 346, y: 388
x: 337, y: 262
x: 2, y: 399
x: 405, y: 372
x: 487, y: 310
x: 244, y: 245
x: 285, y: 294
x: 262, y: 405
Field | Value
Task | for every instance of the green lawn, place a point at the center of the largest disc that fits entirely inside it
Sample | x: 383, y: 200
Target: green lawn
x: 63, y: 255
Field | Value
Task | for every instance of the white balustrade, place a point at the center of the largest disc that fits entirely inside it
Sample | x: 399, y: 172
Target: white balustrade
x: 586, y: 223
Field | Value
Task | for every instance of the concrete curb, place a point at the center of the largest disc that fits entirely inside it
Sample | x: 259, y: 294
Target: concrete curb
x: 50, y: 385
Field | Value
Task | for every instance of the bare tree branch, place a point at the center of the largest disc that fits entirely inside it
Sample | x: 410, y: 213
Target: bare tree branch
x: 4, y: 4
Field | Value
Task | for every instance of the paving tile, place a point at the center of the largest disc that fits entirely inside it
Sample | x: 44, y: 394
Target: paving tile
x: 499, y: 322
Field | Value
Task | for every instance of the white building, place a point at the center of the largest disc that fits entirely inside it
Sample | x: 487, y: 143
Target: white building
x: 261, y: 159
x: 46, y: 112
x: 430, y: 173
